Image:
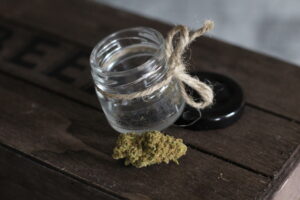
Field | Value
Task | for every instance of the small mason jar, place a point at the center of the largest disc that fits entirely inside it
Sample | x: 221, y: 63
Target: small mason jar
x: 133, y: 60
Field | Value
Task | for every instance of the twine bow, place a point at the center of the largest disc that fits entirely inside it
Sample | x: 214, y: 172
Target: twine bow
x: 177, y: 69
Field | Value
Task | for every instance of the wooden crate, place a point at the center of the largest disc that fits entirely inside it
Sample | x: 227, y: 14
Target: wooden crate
x: 55, y: 143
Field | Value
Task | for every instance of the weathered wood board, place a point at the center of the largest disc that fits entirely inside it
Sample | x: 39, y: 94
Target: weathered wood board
x: 51, y: 124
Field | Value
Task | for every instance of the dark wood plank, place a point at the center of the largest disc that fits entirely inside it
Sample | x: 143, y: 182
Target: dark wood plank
x: 259, y: 141
x: 23, y: 178
x: 269, y: 83
x: 287, y: 186
x: 77, y: 140
x: 270, y: 138
x: 61, y: 65
x: 274, y: 139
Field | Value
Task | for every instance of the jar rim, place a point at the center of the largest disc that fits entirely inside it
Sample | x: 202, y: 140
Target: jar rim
x: 98, y: 69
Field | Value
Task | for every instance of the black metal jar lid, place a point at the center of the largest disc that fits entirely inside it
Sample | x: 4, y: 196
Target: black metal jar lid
x: 227, y: 108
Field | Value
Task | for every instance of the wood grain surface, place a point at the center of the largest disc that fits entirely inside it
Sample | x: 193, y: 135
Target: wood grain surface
x: 77, y: 139
x: 50, y: 117
x: 68, y: 74
x: 23, y: 178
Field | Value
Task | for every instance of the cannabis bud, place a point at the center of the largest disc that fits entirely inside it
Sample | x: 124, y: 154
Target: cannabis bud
x: 148, y: 148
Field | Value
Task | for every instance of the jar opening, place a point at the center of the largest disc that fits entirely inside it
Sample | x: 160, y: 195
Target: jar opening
x: 127, y: 50
x: 129, y: 58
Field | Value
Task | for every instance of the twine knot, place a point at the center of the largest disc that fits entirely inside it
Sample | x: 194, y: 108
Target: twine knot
x: 177, y: 69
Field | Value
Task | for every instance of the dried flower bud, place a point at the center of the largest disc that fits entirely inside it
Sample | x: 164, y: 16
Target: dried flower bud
x: 148, y: 148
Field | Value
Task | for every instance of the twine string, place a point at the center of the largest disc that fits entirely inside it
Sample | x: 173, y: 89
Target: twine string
x: 177, y: 69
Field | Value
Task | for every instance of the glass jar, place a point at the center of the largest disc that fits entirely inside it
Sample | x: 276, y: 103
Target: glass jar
x: 133, y: 60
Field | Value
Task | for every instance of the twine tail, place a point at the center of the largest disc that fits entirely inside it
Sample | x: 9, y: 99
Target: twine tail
x: 175, y: 56
x: 200, y: 87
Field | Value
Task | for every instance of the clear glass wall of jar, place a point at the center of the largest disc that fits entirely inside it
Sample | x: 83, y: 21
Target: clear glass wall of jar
x: 132, y: 60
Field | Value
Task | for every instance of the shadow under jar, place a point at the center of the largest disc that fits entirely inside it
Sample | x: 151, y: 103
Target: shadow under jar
x: 133, y: 60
